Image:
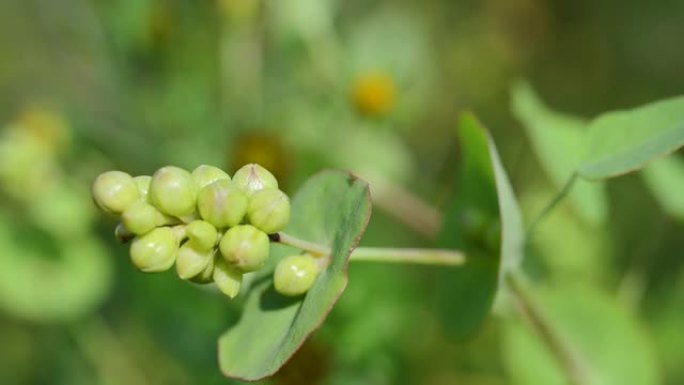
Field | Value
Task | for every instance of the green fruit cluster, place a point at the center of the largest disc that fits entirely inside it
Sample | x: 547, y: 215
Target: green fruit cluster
x: 213, y: 227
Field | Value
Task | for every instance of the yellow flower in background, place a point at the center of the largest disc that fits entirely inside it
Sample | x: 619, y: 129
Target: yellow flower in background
x: 261, y: 148
x: 29, y: 147
x: 44, y: 126
x: 374, y: 94
x: 239, y: 10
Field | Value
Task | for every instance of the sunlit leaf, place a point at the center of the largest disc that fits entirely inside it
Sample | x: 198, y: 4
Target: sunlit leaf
x: 484, y: 221
x: 607, y: 341
x: 557, y: 141
x: 623, y: 141
x: 332, y: 209
x: 665, y: 178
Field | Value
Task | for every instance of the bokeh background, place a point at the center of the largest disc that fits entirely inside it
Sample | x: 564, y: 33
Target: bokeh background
x: 300, y: 85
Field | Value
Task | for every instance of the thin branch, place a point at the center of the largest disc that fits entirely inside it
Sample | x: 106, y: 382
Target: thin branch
x: 406, y: 207
x: 571, y: 363
x: 311, y: 247
x: 440, y: 257
x: 551, y: 205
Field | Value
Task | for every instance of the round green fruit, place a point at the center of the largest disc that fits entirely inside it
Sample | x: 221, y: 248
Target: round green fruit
x: 154, y: 251
x: 269, y: 210
x: 222, y: 204
x: 204, y: 175
x: 295, y: 275
x: 245, y: 247
x: 173, y: 191
x: 114, y: 191
x: 252, y: 178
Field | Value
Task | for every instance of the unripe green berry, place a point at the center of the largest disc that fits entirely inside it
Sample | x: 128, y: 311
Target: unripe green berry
x: 141, y: 217
x: 227, y: 278
x: 204, y: 175
x: 202, y: 233
x: 173, y: 191
x: 245, y: 247
x: 114, y: 191
x: 222, y: 204
x: 154, y: 251
x: 269, y: 210
x: 192, y: 259
x: 143, y: 183
x: 207, y: 275
x: 295, y: 275
x: 252, y: 178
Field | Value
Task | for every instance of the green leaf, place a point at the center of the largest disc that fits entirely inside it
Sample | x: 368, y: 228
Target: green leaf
x: 607, y: 341
x: 557, y: 141
x: 51, y: 288
x: 333, y: 209
x: 624, y: 141
x: 665, y: 178
x: 484, y: 221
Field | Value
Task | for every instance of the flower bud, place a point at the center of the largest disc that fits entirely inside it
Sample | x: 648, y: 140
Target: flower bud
x: 204, y: 175
x: 227, y: 278
x: 295, y: 275
x: 154, y: 251
x: 252, y: 177
x: 202, y: 233
x: 143, y: 184
x: 269, y: 210
x: 192, y: 259
x: 113, y: 191
x: 173, y: 191
x: 141, y: 218
x: 222, y: 204
x: 245, y: 247
x: 206, y: 275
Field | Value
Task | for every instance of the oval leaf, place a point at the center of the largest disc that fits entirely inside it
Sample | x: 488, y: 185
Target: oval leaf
x: 484, y: 221
x: 605, y: 338
x: 333, y: 209
x: 557, y: 142
x: 623, y: 141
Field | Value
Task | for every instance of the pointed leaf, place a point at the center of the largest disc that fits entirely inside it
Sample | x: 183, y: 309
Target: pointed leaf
x: 332, y: 208
x: 484, y: 221
x: 557, y: 141
x: 624, y: 141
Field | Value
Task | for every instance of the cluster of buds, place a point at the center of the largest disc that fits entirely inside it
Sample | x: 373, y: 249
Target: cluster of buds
x: 213, y: 227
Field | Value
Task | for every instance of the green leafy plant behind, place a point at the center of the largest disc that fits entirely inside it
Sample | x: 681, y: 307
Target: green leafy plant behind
x: 599, y: 333
x: 332, y: 209
x: 623, y: 141
x: 665, y: 178
x: 483, y: 220
x: 557, y: 140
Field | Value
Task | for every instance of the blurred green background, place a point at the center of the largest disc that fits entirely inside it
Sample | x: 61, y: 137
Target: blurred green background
x: 297, y: 86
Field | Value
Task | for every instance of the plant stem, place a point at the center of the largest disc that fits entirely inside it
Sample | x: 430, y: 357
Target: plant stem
x: 571, y: 363
x: 406, y: 206
x: 312, y: 247
x: 551, y: 205
x: 440, y: 257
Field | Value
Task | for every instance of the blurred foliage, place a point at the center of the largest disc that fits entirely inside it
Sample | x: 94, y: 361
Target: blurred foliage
x: 301, y: 85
